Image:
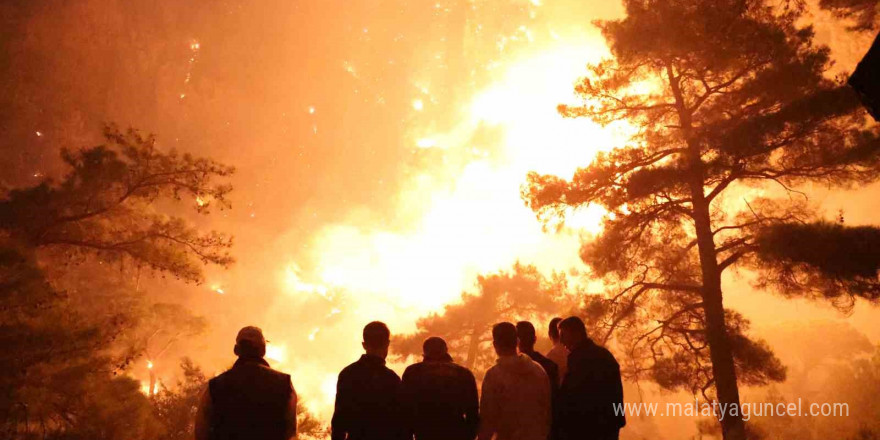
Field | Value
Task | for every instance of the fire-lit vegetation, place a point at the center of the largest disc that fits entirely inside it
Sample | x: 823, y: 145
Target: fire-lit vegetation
x: 703, y: 178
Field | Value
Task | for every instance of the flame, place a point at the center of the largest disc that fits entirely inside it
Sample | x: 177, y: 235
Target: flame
x: 276, y: 352
x: 464, y: 225
x: 426, y: 143
x: 295, y: 284
x: 463, y: 216
x: 150, y: 365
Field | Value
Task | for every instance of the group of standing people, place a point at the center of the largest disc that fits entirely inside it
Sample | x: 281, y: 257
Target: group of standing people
x: 569, y: 394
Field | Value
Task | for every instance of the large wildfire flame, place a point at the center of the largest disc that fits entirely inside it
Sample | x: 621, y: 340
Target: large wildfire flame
x: 468, y: 221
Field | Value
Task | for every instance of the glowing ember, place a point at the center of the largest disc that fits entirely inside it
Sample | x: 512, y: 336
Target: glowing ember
x: 313, y: 333
x: 150, y: 364
x: 418, y: 105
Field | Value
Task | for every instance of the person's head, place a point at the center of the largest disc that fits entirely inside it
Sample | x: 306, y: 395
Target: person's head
x: 504, y: 338
x: 525, y: 333
x: 377, y: 337
x: 434, y: 349
x: 250, y: 343
x: 553, y: 329
x: 572, y: 332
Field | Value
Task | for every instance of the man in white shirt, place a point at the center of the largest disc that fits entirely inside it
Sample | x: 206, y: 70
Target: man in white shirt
x: 515, y: 404
x: 558, y: 354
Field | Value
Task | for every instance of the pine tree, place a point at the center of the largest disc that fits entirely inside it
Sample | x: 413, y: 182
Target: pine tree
x: 727, y: 97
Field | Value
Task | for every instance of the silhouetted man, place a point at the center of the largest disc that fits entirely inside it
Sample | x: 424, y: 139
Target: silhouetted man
x: 590, y: 389
x: 440, y: 396
x: 525, y: 333
x: 516, y: 393
x: 558, y: 354
x: 250, y: 401
x: 368, y: 393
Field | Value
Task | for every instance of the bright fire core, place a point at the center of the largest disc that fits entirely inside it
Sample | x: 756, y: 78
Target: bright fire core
x: 465, y: 218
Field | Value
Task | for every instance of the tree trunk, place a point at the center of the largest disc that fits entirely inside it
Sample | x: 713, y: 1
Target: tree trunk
x: 723, y: 369
x: 473, y: 348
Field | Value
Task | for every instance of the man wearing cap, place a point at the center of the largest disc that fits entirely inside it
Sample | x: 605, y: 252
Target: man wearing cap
x: 440, y: 396
x: 368, y: 393
x: 250, y: 400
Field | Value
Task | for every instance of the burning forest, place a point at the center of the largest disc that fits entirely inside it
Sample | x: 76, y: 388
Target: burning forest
x: 314, y: 192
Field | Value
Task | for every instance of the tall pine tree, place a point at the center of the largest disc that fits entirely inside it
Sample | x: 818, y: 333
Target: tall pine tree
x: 728, y: 96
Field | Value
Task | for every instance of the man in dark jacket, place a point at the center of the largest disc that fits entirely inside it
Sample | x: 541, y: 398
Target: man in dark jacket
x: 250, y: 401
x: 440, y: 396
x: 368, y: 393
x: 591, y: 396
x: 526, y: 339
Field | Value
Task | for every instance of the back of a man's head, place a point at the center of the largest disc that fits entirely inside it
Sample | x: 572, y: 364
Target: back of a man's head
x: 504, y: 337
x: 250, y: 343
x: 376, y: 335
x: 435, y: 349
x: 525, y: 332
x: 553, y: 329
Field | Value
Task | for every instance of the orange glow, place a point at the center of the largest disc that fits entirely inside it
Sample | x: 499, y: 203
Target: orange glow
x: 276, y: 353
x: 465, y: 228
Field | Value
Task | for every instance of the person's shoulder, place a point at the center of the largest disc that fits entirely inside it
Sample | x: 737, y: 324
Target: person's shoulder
x: 549, y: 365
x: 462, y: 370
x: 609, y: 357
x: 493, y: 371
x: 415, y: 368
x: 539, y: 358
x: 603, y: 353
x: 222, y: 376
x: 391, y: 374
x: 280, y: 375
x: 350, y: 369
x: 537, y: 367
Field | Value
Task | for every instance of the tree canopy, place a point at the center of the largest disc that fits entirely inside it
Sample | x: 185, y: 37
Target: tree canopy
x: 106, y: 205
x: 522, y: 293
x: 732, y: 107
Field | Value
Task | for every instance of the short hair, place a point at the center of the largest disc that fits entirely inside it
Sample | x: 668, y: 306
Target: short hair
x: 376, y: 334
x: 525, y: 331
x: 553, y: 328
x: 574, y: 325
x: 504, y: 335
x: 434, y: 347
